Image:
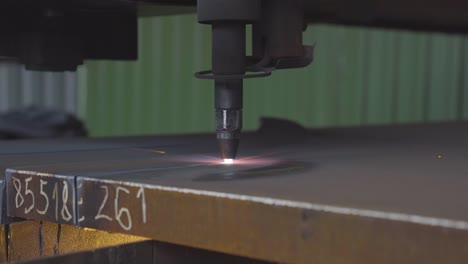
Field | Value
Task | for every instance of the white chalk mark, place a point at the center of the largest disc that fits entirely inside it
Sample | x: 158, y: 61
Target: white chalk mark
x: 27, y: 191
x: 17, y: 185
x: 80, y: 202
x: 119, y: 212
x: 100, y: 215
x: 41, y: 191
x: 417, y: 219
x: 65, y: 212
x: 141, y: 193
x: 55, y: 197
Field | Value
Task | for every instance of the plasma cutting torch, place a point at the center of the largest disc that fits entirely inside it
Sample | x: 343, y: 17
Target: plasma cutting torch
x: 52, y: 35
x: 59, y: 35
x: 277, y: 27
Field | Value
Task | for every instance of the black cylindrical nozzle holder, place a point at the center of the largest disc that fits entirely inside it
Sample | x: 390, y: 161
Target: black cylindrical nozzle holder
x: 228, y: 94
x: 228, y: 58
x: 228, y: 48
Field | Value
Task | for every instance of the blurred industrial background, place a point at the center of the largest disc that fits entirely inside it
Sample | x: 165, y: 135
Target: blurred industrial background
x: 359, y: 76
x: 19, y: 87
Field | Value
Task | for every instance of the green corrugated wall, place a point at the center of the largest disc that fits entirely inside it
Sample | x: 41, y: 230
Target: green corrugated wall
x: 359, y: 76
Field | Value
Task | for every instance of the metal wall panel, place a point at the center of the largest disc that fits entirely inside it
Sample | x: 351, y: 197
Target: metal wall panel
x: 19, y: 87
x: 360, y: 76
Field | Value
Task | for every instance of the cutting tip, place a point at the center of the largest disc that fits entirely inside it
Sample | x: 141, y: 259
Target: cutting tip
x: 228, y: 161
x: 228, y: 148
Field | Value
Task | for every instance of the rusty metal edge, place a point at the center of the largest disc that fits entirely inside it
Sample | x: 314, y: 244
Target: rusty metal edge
x: 289, y: 231
x: 235, y: 224
x: 409, y: 218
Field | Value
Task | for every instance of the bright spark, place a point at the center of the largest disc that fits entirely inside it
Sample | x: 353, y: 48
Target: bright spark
x: 228, y: 161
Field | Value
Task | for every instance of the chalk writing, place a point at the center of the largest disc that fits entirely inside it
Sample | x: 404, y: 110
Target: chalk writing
x: 65, y: 213
x: 34, y: 195
x: 46, y: 198
x: 100, y: 214
x: 27, y: 192
x: 18, y: 196
x: 121, y: 213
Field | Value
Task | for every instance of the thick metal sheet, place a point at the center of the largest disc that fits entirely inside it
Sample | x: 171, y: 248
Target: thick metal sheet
x: 32, y: 240
x: 3, y: 244
x: 165, y: 253
x: 45, y: 242
x: 23, y: 241
x: 145, y: 252
x: 381, y: 195
x: 140, y: 252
